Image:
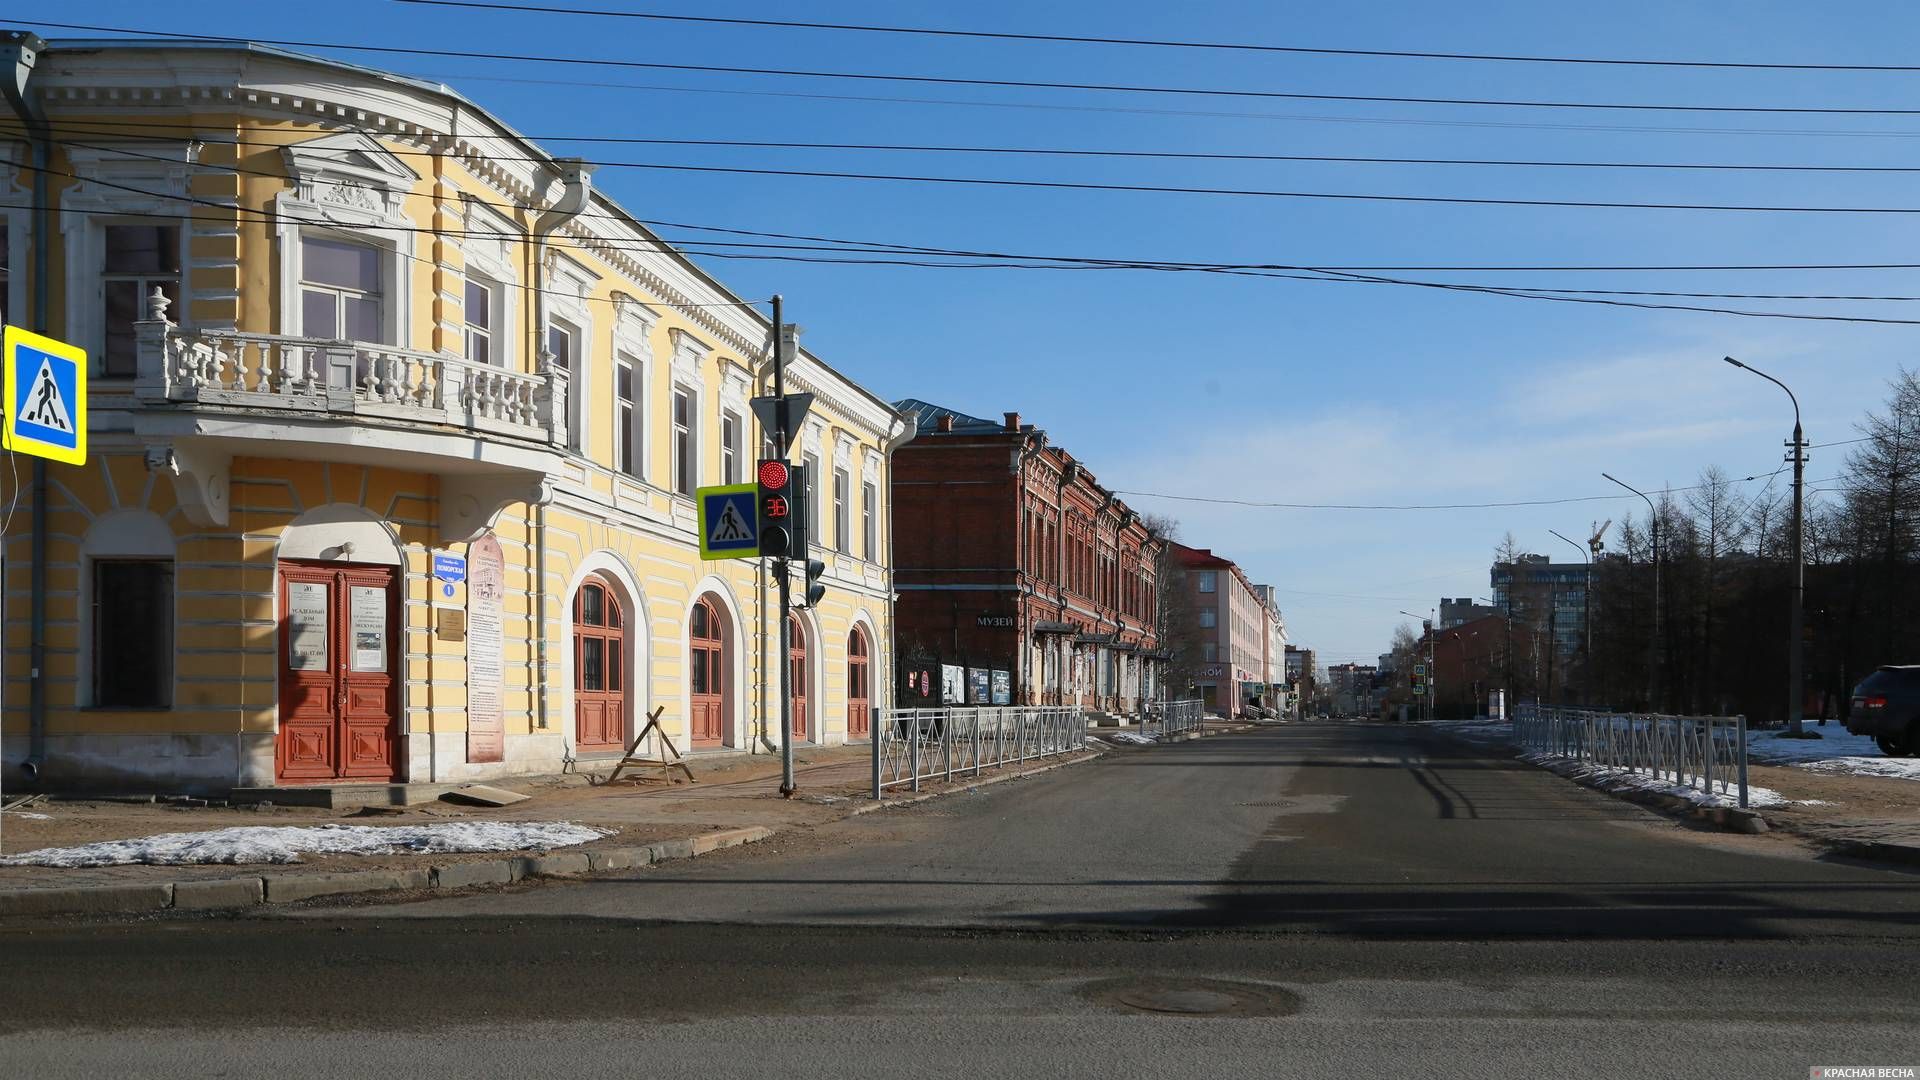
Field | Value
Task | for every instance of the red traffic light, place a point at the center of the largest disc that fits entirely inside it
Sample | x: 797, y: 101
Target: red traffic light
x: 773, y: 475
x: 776, y: 507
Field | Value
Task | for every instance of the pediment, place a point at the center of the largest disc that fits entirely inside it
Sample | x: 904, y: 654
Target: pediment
x: 349, y: 154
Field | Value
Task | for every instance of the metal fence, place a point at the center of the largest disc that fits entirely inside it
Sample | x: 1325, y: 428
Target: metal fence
x: 1171, y: 717
x: 911, y: 745
x: 1706, y: 753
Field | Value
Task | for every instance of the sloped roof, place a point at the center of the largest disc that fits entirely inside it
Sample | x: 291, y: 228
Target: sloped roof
x: 927, y: 416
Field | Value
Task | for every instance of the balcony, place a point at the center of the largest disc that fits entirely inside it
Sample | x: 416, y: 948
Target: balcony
x: 205, y: 396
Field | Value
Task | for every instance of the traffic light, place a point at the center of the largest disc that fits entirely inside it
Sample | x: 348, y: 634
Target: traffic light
x: 775, y: 505
x: 814, y: 591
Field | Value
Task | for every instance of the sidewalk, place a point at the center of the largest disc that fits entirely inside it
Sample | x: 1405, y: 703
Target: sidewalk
x: 735, y: 800
x: 1844, y: 812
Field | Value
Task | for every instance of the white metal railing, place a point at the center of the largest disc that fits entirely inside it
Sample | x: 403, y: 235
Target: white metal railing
x: 317, y: 375
x: 1706, y: 753
x: 1171, y: 717
x: 911, y: 745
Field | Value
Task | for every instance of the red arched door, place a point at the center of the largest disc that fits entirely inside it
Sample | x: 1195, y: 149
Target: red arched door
x: 858, y: 715
x: 599, y: 668
x: 797, y: 675
x: 707, y: 680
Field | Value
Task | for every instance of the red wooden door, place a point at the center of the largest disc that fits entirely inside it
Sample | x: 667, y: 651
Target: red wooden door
x: 858, y: 715
x: 797, y: 676
x: 706, y: 671
x: 339, y: 699
x: 599, y: 668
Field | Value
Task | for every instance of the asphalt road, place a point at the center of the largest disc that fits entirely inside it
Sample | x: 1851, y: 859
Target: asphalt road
x: 1307, y: 901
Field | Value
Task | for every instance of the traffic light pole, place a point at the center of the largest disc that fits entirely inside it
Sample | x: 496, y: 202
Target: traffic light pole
x: 785, y: 658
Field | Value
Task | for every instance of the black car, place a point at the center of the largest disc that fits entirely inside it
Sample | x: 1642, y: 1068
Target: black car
x: 1886, y: 705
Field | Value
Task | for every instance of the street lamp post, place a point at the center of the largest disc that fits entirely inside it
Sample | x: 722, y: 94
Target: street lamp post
x: 1427, y: 622
x: 1506, y: 653
x: 1653, y: 664
x: 1796, y: 453
x: 1586, y: 610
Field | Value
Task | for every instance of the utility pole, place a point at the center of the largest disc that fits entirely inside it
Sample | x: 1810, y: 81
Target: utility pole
x: 1653, y: 664
x: 1586, y: 610
x: 780, y: 564
x: 1796, y: 596
x: 24, y: 48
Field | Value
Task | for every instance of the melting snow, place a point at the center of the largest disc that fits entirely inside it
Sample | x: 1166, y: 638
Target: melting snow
x: 1835, y: 751
x: 286, y: 843
x: 1666, y: 783
x: 1131, y: 737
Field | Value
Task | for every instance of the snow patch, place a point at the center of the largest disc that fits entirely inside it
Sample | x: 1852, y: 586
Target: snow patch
x: 1836, y: 751
x: 1665, y: 783
x: 1893, y: 767
x: 30, y: 815
x: 1131, y: 738
x: 286, y: 843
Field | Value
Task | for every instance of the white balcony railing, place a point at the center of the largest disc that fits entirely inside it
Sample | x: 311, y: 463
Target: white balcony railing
x: 321, y: 376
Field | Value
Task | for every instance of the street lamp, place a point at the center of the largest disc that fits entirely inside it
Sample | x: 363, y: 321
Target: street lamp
x: 1427, y: 622
x: 1586, y: 609
x: 1653, y: 665
x: 1796, y: 453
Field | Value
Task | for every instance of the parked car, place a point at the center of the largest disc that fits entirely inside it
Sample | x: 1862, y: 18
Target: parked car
x: 1886, y: 705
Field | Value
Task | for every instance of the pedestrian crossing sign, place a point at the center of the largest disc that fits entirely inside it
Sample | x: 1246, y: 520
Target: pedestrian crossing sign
x: 729, y: 523
x: 45, y: 387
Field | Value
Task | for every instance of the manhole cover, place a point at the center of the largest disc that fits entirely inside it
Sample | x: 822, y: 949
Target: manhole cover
x: 1192, y: 997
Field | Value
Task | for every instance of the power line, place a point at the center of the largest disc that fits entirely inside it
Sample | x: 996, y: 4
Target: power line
x: 1429, y: 506
x: 842, y: 245
x: 1151, y: 155
x: 1017, y: 84
x: 1082, y: 39
x: 1328, y: 275
x: 1161, y: 189
x: 1841, y: 133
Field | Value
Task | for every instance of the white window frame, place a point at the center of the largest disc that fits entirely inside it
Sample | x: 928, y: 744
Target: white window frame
x: 812, y: 462
x: 577, y: 367
x: 842, y: 510
x: 636, y: 424
x: 1209, y: 581
x: 1209, y: 618
x: 394, y: 299
x: 869, y: 520
x: 497, y: 336
x: 489, y: 260
x: 684, y: 452
x: 731, y: 449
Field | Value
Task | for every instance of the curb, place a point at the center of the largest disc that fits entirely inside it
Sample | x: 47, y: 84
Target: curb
x: 1730, y: 818
x: 1880, y: 850
x: 228, y: 894
x: 985, y: 781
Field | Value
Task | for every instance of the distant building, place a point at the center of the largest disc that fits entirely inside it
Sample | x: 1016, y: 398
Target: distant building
x: 1010, y: 557
x: 1353, y: 689
x: 1232, y: 630
x: 1526, y: 589
x: 1300, y: 675
x: 1274, y: 665
x: 1464, y: 610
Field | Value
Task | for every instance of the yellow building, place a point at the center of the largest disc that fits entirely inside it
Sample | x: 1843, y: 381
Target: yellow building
x: 312, y: 296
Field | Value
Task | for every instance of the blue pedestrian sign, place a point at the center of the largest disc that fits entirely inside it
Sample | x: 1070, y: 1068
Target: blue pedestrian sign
x: 45, y: 390
x: 729, y: 522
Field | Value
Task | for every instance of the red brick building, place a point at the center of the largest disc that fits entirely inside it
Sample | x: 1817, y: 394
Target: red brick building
x: 1010, y: 556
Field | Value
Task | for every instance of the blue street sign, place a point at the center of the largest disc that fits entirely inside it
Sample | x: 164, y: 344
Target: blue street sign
x: 729, y: 522
x: 449, y: 567
x: 45, y: 387
x: 447, y: 589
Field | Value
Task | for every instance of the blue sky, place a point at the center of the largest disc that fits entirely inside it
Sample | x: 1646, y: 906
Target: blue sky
x: 1215, y: 386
